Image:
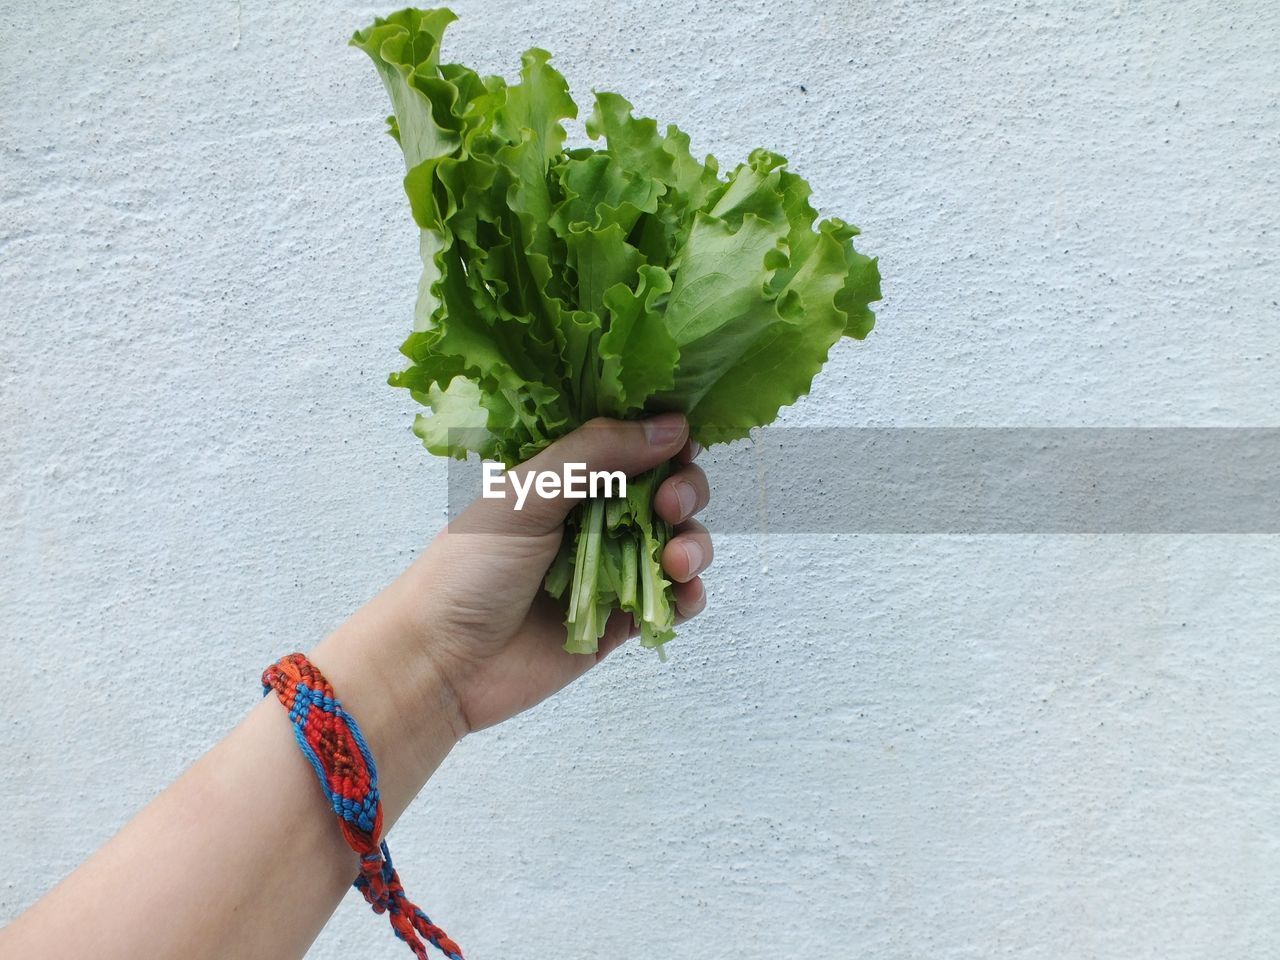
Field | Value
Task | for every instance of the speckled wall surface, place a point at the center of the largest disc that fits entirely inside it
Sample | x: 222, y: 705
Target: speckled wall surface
x: 890, y: 747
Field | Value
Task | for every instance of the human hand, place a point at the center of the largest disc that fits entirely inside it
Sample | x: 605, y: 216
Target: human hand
x: 492, y: 633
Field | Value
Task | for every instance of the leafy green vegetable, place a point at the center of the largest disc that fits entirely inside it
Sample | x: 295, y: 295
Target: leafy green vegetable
x: 619, y: 280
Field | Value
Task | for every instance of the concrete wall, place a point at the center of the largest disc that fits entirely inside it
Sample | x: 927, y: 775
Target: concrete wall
x: 891, y: 747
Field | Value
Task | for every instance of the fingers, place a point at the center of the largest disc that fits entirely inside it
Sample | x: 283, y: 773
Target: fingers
x: 682, y: 494
x: 688, y: 553
x: 689, y: 452
x: 691, y: 598
x: 600, y: 445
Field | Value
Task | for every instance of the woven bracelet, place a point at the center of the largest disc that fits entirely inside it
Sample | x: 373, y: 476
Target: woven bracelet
x: 332, y: 743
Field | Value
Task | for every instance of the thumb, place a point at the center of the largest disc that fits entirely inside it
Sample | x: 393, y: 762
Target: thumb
x: 531, y: 505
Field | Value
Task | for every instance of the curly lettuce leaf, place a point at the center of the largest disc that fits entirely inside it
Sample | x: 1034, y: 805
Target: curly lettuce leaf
x: 623, y: 278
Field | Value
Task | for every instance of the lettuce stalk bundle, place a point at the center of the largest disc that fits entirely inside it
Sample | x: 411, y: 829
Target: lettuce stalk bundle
x: 619, y: 280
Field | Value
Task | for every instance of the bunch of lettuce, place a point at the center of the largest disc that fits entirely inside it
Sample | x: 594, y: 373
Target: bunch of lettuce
x: 619, y: 280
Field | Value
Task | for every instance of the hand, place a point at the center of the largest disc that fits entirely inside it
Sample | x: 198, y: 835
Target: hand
x: 493, y: 634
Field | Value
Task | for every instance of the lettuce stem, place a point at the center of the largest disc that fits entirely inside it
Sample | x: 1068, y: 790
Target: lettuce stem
x: 583, y: 621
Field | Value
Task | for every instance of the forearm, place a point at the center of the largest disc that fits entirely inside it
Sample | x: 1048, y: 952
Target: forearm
x: 242, y: 855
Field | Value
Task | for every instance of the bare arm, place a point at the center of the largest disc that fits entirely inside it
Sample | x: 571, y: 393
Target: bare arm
x: 241, y: 856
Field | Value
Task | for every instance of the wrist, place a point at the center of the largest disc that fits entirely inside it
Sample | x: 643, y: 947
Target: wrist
x: 380, y: 665
x: 435, y: 673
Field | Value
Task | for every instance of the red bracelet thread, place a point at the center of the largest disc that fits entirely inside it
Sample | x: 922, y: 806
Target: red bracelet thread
x: 331, y: 741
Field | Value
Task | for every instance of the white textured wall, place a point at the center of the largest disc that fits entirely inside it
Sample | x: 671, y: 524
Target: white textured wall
x: 882, y: 747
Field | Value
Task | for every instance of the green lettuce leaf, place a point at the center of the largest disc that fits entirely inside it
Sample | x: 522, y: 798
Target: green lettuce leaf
x: 621, y: 279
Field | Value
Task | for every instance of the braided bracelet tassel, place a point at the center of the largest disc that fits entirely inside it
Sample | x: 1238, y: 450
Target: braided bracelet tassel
x: 332, y: 743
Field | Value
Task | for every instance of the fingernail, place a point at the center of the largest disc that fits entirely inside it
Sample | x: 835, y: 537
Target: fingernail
x: 687, y: 497
x: 664, y: 430
x: 693, y: 554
